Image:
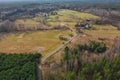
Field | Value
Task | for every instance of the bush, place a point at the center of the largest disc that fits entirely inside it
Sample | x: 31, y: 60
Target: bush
x: 102, y: 39
x: 70, y: 75
x: 81, y: 47
x: 71, y: 35
x: 93, y: 47
x: 54, y: 13
x: 61, y: 37
x: 101, y: 49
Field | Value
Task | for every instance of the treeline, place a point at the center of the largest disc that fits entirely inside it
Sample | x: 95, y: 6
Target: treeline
x: 84, y: 5
x: 27, y: 10
x: 73, y: 67
x: 9, y: 26
x: 93, y: 46
x: 18, y: 66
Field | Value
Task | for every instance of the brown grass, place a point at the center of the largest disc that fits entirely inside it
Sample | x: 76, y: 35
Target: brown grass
x: 40, y: 41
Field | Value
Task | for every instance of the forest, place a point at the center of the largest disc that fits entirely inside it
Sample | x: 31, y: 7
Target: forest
x: 18, y: 66
x: 75, y: 67
x: 102, y: 69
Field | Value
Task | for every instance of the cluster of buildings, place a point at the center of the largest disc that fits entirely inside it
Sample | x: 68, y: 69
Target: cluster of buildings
x: 83, y: 25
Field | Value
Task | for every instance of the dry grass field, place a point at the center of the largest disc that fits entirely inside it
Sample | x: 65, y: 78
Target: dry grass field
x: 68, y: 17
x: 40, y: 41
x: 63, y: 17
x: 102, y: 33
x: 105, y: 31
x: 30, y: 22
x: 47, y: 41
x: 27, y: 22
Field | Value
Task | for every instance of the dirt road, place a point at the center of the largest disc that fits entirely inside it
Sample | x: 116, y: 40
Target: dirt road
x: 58, y: 49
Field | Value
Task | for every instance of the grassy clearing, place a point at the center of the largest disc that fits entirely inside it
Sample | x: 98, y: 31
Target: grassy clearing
x: 107, y: 32
x: 27, y: 22
x: 104, y: 27
x: 46, y: 41
x: 68, y: 17
x: 40, y: 41
x: 31, y: 22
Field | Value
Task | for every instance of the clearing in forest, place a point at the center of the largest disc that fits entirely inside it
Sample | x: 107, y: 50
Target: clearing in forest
x: 68, y: 17
x: 39, y: 41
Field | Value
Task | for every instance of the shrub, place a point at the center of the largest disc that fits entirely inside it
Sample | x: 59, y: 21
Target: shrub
x: 101, y: 49
x: 61, y: 37
x: 70, y: 75
x: 80, y: 47
x: 71, y: 35
x: 66, y: 50
x: 93, y: 47
x: 102, y: 39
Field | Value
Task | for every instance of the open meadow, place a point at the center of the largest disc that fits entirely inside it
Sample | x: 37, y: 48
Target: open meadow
x: 39, y: 41
x: 100, y: 33
x: 47, y: 41
x: 42, y: 41
x: 63, y: 17
x: 68, y: 17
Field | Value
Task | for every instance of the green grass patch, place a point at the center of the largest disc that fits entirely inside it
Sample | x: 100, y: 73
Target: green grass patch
x: 69, y: 17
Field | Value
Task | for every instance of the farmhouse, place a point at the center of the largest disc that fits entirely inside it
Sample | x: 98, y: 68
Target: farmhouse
x: 82, y: 25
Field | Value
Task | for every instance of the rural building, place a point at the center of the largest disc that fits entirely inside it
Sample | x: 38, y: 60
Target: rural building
x: 83, y: 25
